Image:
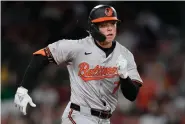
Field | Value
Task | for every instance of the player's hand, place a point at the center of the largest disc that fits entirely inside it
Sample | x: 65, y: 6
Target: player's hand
x: 22, y: 99
x: 121, y: 64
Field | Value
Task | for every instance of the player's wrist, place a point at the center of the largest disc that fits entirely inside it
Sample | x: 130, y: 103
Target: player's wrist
x: 22, y: 90
x: 124, y: 75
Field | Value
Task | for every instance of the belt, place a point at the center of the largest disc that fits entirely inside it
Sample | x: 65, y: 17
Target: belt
x: 98, y: 113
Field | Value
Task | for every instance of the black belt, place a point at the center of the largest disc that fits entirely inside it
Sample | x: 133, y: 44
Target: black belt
x: 99, y: 113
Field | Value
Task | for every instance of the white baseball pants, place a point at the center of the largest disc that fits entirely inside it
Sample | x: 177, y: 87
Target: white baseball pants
x: 71, y: 116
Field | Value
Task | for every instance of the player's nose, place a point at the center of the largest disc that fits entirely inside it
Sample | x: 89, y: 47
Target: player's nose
x: 109, y: 28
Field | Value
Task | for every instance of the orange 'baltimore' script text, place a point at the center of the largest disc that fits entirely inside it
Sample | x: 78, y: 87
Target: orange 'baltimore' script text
x: 97, y: 73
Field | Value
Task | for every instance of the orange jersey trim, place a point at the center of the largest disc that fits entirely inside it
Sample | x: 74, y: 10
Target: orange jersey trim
x: 137, y: 81
x: 116, y: 88
x: 45, y: 52
x: 97, y: 78
x: 41, y: 52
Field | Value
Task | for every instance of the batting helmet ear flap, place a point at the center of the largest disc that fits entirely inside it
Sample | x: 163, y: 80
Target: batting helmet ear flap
x: 94, y: 31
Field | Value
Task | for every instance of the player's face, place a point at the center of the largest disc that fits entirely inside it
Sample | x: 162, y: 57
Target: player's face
x: 109, y: 29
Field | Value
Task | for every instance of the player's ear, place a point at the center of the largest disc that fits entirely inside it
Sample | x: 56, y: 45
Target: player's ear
x: 40, y: 52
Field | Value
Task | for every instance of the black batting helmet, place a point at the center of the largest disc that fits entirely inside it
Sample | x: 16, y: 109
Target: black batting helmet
x: 100, y: 13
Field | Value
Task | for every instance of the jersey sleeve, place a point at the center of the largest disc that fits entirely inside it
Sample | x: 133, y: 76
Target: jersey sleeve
x: 64, y: 50
x: 132, y: 69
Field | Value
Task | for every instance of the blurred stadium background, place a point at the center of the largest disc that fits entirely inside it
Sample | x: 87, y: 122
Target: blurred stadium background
x: 153, y: 31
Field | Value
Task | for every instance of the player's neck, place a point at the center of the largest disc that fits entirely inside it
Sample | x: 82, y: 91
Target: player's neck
x: 105, y: 44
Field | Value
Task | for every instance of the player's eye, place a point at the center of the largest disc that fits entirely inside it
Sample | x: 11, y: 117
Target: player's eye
x: 107, y: 24
x: 102, y: 25
x: 113, y: 22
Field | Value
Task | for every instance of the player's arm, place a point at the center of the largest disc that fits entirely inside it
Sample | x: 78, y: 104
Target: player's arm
x: 129, y: 88
x: 57, y: 52
x: 40, y: 59
x: 129, y: 77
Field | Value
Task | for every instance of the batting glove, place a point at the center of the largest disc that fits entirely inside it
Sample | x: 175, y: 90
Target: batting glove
x: 22, y: 99
x: 121, y: 64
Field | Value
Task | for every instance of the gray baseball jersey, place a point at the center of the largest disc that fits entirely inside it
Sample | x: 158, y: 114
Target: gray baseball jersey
x: 93, y: 76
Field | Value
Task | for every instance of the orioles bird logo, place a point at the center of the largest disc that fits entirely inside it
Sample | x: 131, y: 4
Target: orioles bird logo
x: 108, y: 11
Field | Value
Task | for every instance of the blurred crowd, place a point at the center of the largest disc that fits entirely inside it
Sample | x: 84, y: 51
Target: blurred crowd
x: 151, y: 31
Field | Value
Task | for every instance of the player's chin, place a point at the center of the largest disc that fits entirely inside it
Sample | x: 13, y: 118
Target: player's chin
x: 110, y: 39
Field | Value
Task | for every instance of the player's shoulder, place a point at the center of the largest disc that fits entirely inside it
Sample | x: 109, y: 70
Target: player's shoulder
x: 124, y: 50
x: 85, y: 40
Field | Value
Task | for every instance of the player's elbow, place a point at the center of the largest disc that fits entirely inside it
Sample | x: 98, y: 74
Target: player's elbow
x: 131, y: 94
x: 131, y: 97
x: 130, y: 90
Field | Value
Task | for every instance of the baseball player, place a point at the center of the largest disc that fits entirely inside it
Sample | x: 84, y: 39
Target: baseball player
x: 98, y: 67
